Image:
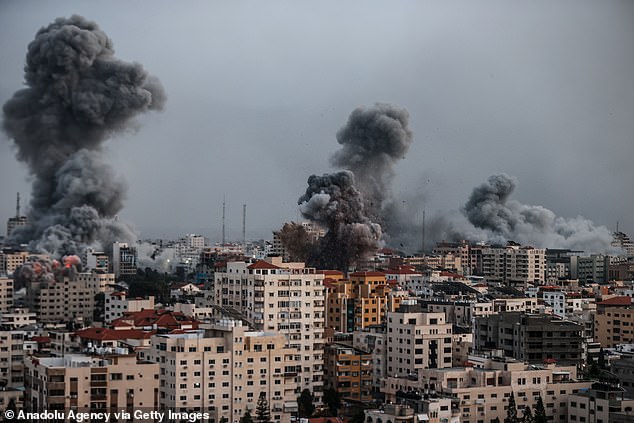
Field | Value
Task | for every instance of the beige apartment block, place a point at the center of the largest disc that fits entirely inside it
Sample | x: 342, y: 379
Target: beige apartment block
x: 288, y: 298
x: 223, y: 370
x: 603, y: 403
x: 62, y: 301
x: 6, y: 294
x: 12, y: 358
x: 17, y: 317
x: 417, y: 340
x: 108, y: 383
x: 480, y: 394
x: 614, y: 322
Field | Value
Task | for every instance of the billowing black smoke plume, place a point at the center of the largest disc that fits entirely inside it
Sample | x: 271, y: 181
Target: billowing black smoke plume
x: 373, y: 140
x: 353, y: 205
x: 333, y: 201
x: 77, y: 95
x: 494, y: 217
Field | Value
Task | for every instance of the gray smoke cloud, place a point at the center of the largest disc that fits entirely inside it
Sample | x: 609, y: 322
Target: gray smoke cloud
x: 333, y: 201
x: 491, y: 215
x: 77, y: 95
x: 373, y: 141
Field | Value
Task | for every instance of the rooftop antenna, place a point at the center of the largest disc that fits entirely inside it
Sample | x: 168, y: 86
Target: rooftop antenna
x: 617, y: 222
x: 17, y: 207
x: 244, y: 227
x: 223, y: 220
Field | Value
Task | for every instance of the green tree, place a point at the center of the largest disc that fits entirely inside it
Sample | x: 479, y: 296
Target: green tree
x: 511, y: 411
x: 246, y: 418
x: 262, y: 411
x: 332, y: 398
x: 305, y: 404
x: 540, y: 411
x: 527, y: 417
x: 496, y: 420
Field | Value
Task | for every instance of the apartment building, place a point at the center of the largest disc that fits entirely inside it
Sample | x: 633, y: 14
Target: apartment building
x: 97, y: 281
x: 614, y: 322
x: 62, y: 301
x: 349, y: 371
x: 288, y: 298
x: 17, y: 318
x: 12, y: 354
x: 6, y: 294
x: 514, y: 265
x: 118, y: 303
x: 602, y: 403
x: 95, y: 260
x: 417, y: 340
x: 108, y: 383
x: 531, y: 337
x: 373, y: 341
x: 124, y: 258
x: 222, y: 371
x: 11, y: 260
x: 481, y: 394
x: 459, y: 313
x: 361, y: 301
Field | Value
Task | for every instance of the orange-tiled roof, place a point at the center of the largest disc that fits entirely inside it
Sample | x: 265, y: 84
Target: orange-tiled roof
x: 261, y: 264
x: 159, y: 318
x: 118, y: 294
x: 617, y: 301
x: 41, y: 339
x: 106, y: 334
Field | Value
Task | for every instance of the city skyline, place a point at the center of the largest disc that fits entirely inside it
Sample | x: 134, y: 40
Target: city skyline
x: 257, y: 93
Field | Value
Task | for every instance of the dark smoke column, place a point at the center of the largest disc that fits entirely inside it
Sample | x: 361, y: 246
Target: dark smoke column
x: 373, y: 140
x: 333, y: 201
x: 78, y: 94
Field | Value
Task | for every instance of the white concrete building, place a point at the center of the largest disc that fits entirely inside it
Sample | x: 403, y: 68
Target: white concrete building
x: 417, y: 341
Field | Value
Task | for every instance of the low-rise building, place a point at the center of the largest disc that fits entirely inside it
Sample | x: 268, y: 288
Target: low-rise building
x: 118, y: 303
x: 482, y: 393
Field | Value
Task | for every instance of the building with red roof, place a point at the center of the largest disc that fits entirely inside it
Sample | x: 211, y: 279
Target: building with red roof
x: 614, y: 322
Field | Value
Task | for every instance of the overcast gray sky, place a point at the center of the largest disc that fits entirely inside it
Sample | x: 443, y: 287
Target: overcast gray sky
x: 540, y: 90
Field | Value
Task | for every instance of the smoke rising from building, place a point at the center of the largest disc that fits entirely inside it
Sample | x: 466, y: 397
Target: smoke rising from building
x: 373, y: 140
x: 46, y: 270
x: 491, y: 215
x: 77, y: 95
x: 333, y: 201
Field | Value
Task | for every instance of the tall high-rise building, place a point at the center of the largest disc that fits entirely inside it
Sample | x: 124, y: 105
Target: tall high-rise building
x: 123, y: 259
x: 17, y: 221
x: 284, y: 297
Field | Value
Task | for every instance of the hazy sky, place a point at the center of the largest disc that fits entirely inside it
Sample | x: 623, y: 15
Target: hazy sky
x: 540, y: 90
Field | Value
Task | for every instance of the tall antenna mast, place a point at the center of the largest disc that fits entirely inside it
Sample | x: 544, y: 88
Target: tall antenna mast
x: 244, y: 227
x: 17, y: 207
x: 617, y: 224
x: 223, y: 220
